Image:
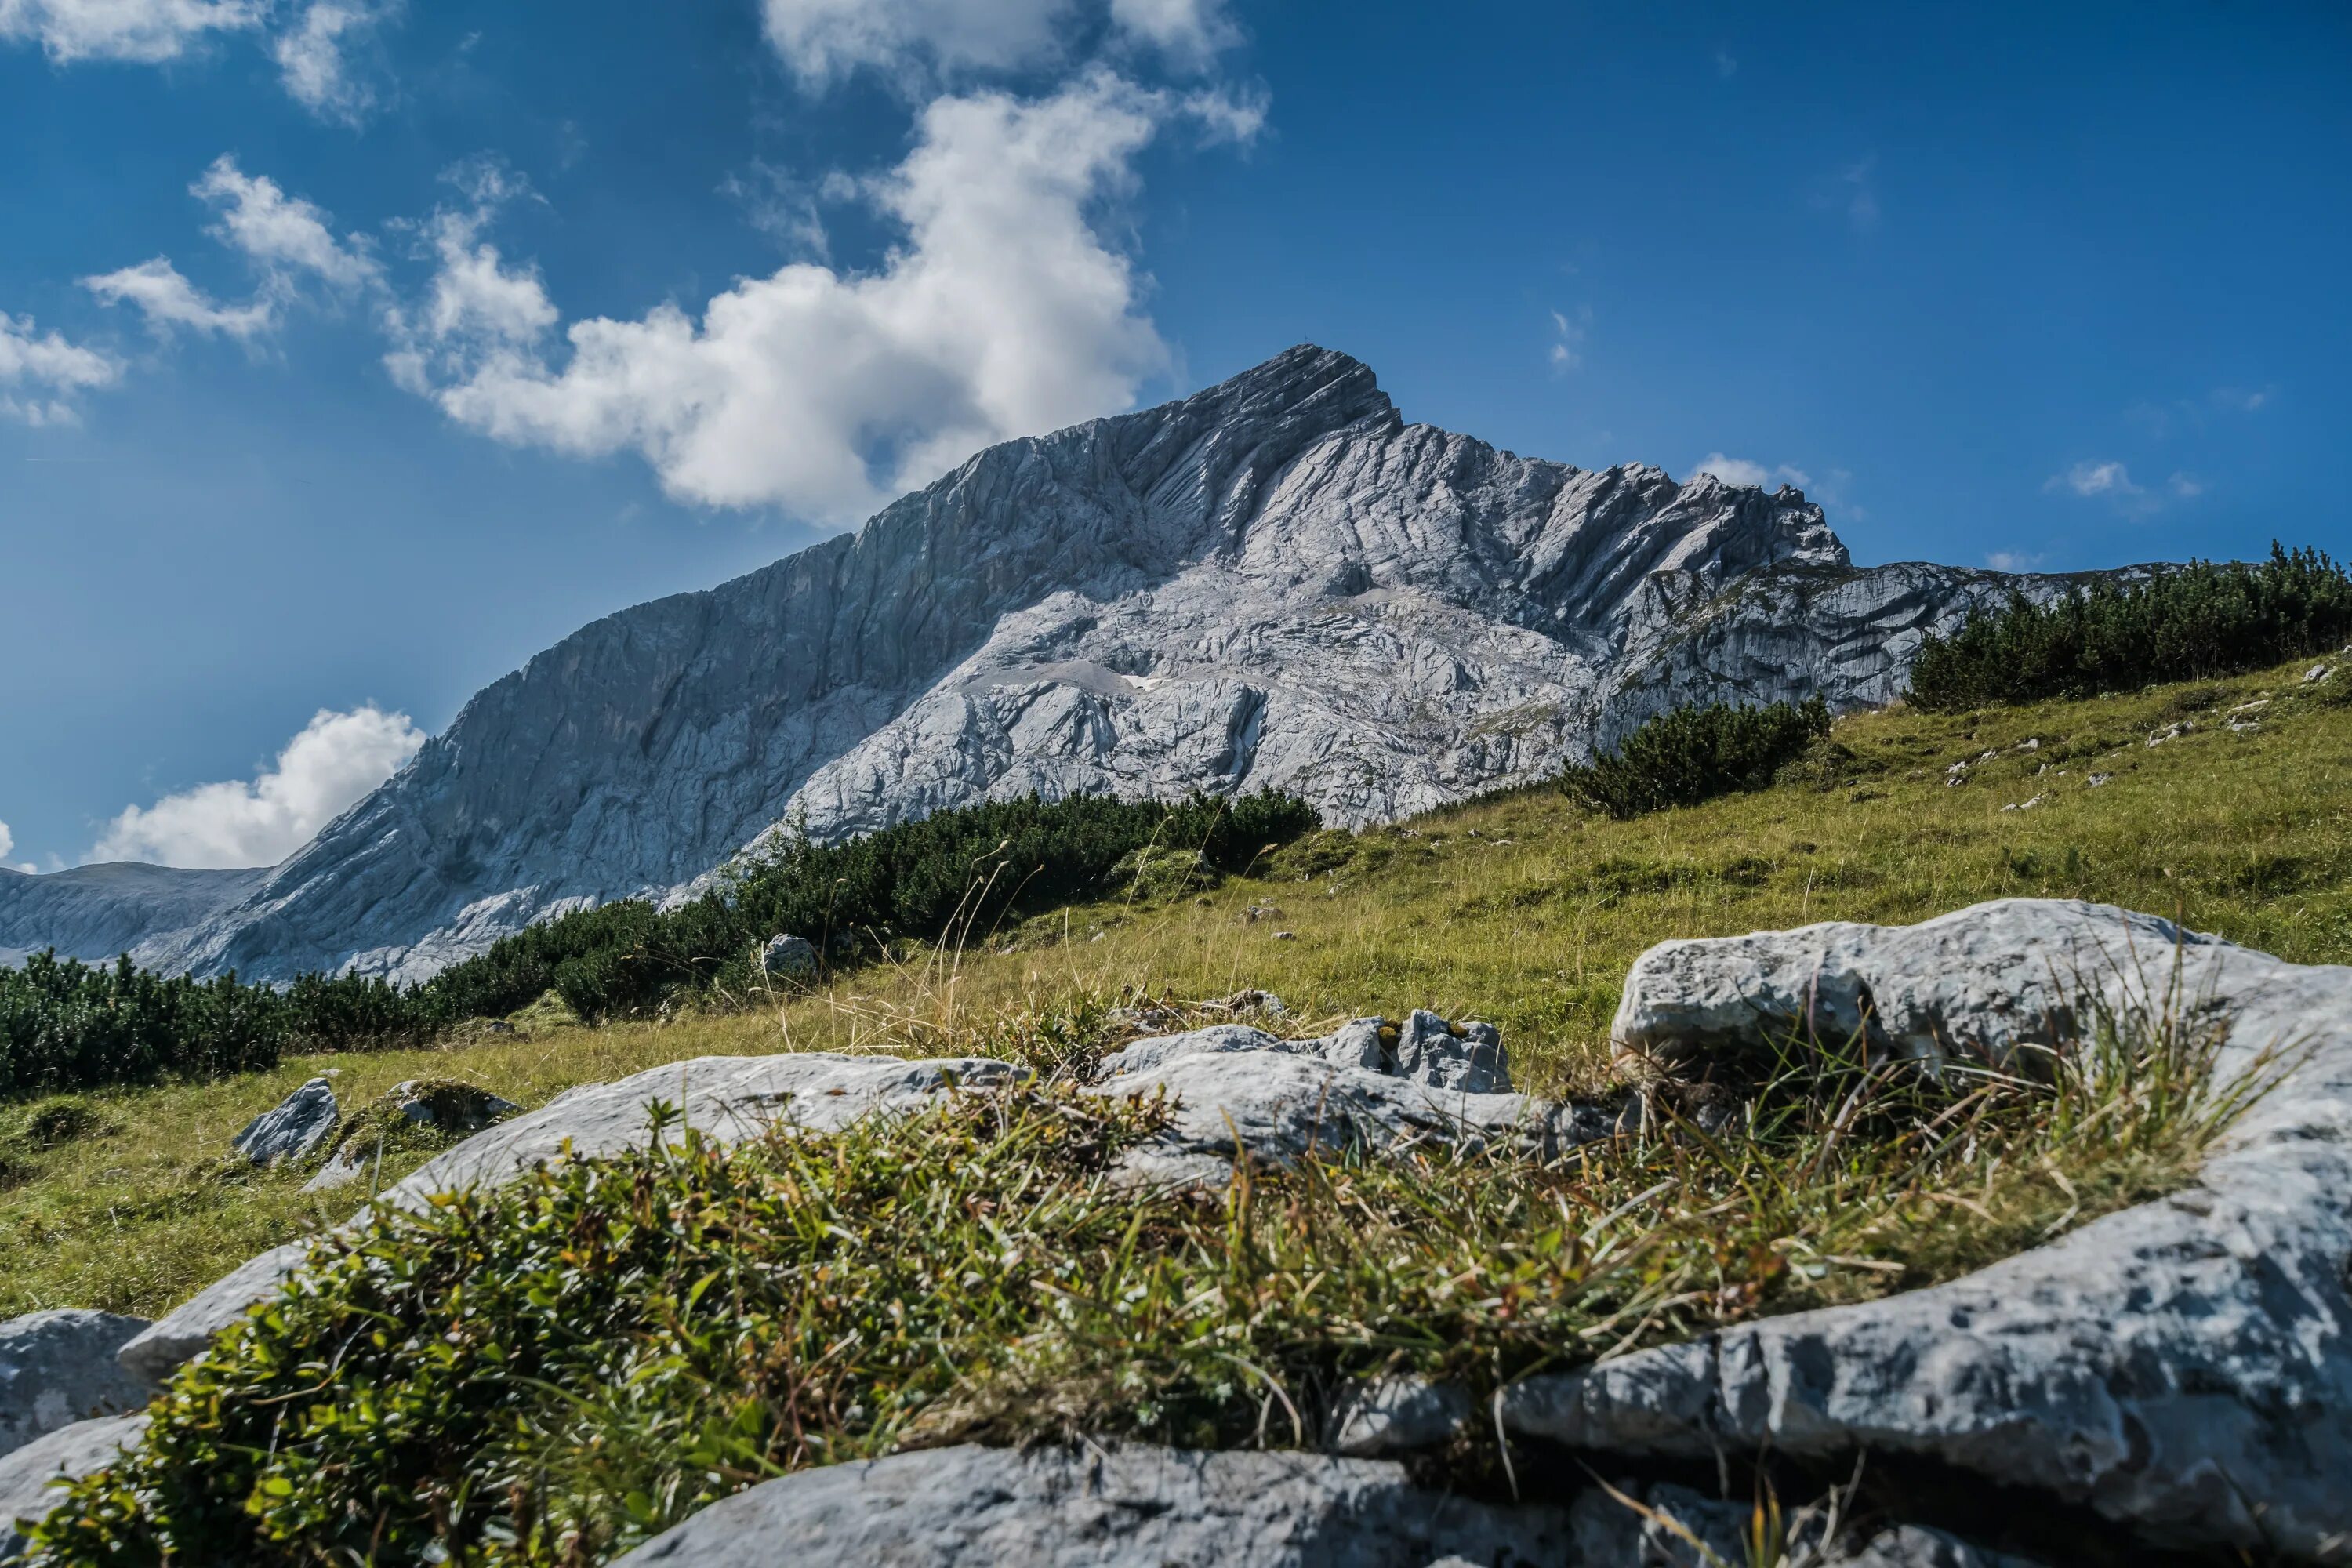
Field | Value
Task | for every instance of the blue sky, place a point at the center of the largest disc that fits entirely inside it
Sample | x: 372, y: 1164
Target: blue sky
x: 356, y: 350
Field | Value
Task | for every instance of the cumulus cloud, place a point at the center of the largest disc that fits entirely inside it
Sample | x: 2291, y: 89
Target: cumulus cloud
x: 2089, y: 479
x: 170, y: 302
x: 314, y: 57
x: 286, y: 238
x: 1740, y: 471
x: 2012, y: 561
x: 144, y: 31
x: 1003, y: 312
x: 39, y: 374
x: 284, y: 235
x: 337, y: 758
x: 823, y: 40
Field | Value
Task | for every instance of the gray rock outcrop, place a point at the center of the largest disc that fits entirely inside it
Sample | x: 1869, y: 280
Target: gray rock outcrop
x: 2183, y: 1368
x: 786, y: 956
x: 447, y: 1108
x: 58, y: 1367
x: 93, y: 912
x: 1425, y: 1084
x: 1124, y: 1506
x: 293, y: 1128
x: 28, y: 1492
x: 1276, y: 582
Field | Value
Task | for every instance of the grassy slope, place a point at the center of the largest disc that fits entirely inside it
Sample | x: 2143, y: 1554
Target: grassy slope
x: 1516, y: 910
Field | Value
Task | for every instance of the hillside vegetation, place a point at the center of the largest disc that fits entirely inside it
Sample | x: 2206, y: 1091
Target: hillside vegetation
x: 1524, y: 911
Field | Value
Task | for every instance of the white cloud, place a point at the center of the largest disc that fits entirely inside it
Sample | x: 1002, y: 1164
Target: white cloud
x: 7, y: 841
x: 169, y: 300
x: 1740, y: 471
x: 2241, y: 399
x: 337, y: 758
x: 1854, y: 188
x: 1568, y: 337
x: 38, y: 375
x: 314, y: 57
x: 1725, y: 66
x: 2089, y: 479
x: 2188, y: 487
x: 285, y: 237
x: 282, y: 233
x: 823, y: 40
x: 145, y: 31
x: 2012, y: 561
x: 1004, y: 312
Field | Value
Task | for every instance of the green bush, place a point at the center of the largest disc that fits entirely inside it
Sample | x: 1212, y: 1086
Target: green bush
x: 1692, y: 754
x: 2190, y: 622
x: 65, y: 1025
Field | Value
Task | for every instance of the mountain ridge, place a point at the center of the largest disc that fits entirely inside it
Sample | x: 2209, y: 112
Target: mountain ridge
x: 1276, y: 581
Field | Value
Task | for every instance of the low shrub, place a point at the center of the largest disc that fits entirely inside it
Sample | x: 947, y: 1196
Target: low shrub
x: 2190, y: 622
x: 1691, y: 754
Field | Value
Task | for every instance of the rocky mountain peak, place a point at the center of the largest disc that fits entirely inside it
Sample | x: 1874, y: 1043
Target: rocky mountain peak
x: 1274, y: 582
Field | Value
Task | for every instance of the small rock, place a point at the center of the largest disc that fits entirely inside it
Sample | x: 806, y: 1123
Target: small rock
x: 2031, y: 745
x: 1286, y: 936
x: 2025, y: 805
x: 447, y: 1109
x: 2244, y: 726
x: 69, y: 1452
x: 1397, y: 1414
x: 2170, y: 732
x: 2317, y: 672
x: 293, y: 1128
x: 2096, y: 780
x: 788, y: 957
x: 1259, y: 912
x: 58, y: 1367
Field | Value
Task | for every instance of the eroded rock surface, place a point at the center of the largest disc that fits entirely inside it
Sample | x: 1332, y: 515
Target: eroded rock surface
x: 1276, y: 582
x: 2183, y: 1368
x: 1124, y: 1506
x: 58, y: 1367
x: 1422, y: 1085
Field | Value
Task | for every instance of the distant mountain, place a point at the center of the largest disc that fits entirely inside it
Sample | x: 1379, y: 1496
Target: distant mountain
x: 1276, y: 582
x: 97, y: 912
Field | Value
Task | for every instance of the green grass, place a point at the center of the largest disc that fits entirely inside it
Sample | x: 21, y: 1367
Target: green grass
x: 1521, y: 911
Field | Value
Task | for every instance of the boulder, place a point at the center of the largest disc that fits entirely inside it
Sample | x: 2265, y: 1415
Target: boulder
x: 70, y: 1453
x: 427, y: 1110
x: 788, y: 956
x: 1126, y: 1506
x: 58, y: 1367
x: 293, y: 1128
x: 1397, y: 1415
x: 2183, y: 1368
x: 727, y: 1098
x: 1423, y: 1084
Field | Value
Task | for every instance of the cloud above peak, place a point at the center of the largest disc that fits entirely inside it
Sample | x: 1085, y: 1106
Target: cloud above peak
x: 1740, y: 471
x: 1004, y: 309
x: 321, y: 773
x: 913, y: 41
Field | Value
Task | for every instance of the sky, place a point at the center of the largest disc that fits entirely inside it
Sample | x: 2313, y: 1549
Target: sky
x: 353, y: 350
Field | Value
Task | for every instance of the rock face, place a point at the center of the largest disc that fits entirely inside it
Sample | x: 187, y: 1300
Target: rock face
x: 1276, y: 582
x: 1123, y: 1508
x: 58, y: 1367
x: 293, y: 1127
x: 70, y: 1452
x: 2183, y: 1368
x: 786, y: 955
x: 93, y: 912
x: 1425, y: 1084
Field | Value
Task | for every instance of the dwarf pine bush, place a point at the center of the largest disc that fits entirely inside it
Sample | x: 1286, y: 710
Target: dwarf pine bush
x: 1691, y: 754
x: 2190, y: 622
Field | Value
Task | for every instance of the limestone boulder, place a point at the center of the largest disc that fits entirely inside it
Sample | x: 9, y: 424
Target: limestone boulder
x: 1124, y: 1506
x: 58, y: 1367
x: 2183, y: 1368
x: 28, y: 1476
x: 293, y: 1128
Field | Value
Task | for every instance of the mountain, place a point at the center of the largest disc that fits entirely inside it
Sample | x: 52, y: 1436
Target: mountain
x: 96, y: 912
x: 1276, y: 582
